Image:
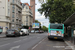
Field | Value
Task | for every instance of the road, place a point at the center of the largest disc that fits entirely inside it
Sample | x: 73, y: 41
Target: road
x: 31, y: 42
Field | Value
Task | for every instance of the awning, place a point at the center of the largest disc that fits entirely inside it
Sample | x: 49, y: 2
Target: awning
x: 70, y: 20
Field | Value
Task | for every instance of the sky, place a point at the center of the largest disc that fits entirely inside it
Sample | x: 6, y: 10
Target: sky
x: 40, y: 17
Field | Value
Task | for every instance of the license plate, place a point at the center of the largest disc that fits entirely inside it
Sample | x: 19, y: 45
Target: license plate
x: 55, y: 37
x: 9, y: 32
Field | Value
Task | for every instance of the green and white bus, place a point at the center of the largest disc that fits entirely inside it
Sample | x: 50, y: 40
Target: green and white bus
x: 55, y: 31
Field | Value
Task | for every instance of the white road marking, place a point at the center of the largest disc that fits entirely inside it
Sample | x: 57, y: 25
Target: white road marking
x: 38, y: 44
x: 17, y: 41
x: 4, y: 44
x: 69, y: 45
x: 16, y: 47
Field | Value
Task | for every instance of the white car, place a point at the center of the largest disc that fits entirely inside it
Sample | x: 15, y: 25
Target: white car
x: 24, y: 32
x: 32, y: 31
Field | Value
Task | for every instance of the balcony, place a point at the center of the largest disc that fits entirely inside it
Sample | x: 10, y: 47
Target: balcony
x: 19, y: 11
x: 31, y: 15
x: 17, y: 18
x: 17, y: 22
x: 20, y: 22
x: 16, y: 5
x: 8, y: 16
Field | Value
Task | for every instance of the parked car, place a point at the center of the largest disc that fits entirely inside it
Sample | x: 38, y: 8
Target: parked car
x: 41, y: 31
x: 12, y: 32
x: 24, y: 32
x: 32, y: 31
x: 37, y: 31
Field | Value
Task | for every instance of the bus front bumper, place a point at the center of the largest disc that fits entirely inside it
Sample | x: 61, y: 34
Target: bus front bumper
x: 55, y: 37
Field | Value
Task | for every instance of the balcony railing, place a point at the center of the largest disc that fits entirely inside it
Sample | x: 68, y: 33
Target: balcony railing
x: 16, y: 4
x: 19, y: 11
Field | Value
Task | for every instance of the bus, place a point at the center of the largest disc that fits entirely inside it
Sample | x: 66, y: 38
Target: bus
x: 55, y: 31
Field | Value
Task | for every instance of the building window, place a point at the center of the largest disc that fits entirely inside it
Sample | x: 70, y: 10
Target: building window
x: 8, y: 11
x: 26, y: 20
x: 26, y: 16
x: 26, y: 7
x: 13, y: 11
x: 26, y: 24
x: 13, y: 6
x: 13, y: 20
x: 13, y: 1
x: 13, y: 16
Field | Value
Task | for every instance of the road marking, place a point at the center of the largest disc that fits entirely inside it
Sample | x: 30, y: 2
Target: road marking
x: 16, y: 47
x: 38, y: 44
x: 69, y: 45
x: 4, y: 44
x: 17, y: 41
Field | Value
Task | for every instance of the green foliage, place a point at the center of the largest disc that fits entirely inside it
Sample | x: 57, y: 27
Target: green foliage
x: 36, y: 21
x: 57, y: 10
x: 44, y: 28
x: 41, y: 1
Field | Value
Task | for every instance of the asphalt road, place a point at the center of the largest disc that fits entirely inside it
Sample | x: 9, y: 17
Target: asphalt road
x: 31, y: 42
x: 20, y: 43
x: 52, y: 44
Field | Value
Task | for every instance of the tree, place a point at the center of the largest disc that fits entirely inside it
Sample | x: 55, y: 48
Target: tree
x: 57, y: 10
x: 44, y: 28
x: 41, y: 1
x: 36, y: 21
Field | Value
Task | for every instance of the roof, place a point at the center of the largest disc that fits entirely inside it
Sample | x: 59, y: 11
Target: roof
x: 28, y: 5
x: 70, y: 20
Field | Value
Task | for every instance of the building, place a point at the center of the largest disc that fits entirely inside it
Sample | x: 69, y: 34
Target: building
x: 15, y: 14
x: 32, y: 4
x: 4, y: 15
x: 27, y: 16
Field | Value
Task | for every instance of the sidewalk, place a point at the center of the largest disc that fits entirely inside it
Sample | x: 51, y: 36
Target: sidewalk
x: 70, y: 45
x: 68, y: 42
x: 2, y: 35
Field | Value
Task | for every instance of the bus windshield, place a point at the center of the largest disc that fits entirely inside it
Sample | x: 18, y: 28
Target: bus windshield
x: 56, y: 26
